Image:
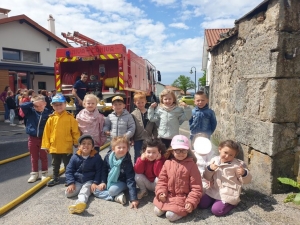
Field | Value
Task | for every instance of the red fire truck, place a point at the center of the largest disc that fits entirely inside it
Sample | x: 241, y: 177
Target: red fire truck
x: 112, y: 69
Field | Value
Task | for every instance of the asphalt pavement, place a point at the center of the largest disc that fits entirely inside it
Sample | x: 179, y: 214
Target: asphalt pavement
x: 50, y: 206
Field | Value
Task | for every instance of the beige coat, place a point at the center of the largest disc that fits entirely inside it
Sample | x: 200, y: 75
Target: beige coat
x: 225, y: 184
x: 142, y: 133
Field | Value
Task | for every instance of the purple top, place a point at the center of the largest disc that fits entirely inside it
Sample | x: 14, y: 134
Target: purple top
x: 3, y: 96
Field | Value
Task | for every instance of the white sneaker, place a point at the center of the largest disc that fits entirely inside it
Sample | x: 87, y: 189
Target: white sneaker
x: 13, y: 124
x: 33, y: 177
x: 120, y: 198
x: 6, y: 121
x: 20, y: 122
x: 44, y: 175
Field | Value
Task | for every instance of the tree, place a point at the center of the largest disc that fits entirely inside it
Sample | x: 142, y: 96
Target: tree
x: 202, y: 80
x: 184, y: 83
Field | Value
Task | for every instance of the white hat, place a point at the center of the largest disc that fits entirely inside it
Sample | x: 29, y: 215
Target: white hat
x: 202, y: 145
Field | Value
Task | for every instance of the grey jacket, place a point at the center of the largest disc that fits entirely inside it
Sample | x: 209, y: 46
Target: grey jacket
x: 120, y: 125
x: 169, y: 122
x: 142, y: 133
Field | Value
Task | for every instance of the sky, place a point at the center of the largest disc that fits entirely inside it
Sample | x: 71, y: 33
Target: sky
x: 169, y: 33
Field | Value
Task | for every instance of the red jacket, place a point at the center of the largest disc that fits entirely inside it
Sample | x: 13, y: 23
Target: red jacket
x: 181, y: 182
x: 150, y: 169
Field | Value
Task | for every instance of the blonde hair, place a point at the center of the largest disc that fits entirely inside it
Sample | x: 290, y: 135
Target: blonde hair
x: 90, y: 96
x: 139, y: 95
x: 120, y: 139
x: 166, y: 92
x: 170, y: 154
x: 38, y: 98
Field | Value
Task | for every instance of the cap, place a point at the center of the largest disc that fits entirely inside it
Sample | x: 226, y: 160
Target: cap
x: 180, y: 141
x: 117, y: 98
x: 86, y: 136
x: 202, y: 145
x: 58, y: 98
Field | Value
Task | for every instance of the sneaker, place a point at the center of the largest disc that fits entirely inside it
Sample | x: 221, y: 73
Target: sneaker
x: 6, y: 121
x: 142, y: 194
x: 53, y: 181
x: 120, y: 198
x: 44, y: 174
x: 77, y: 208
x: 33, y: 177
x: 20, y: 122
x: 12, y: 124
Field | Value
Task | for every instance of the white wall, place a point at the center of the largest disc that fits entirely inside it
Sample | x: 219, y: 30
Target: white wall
x: 42, y: 78
x: 159, y: 89
x: 208, y: 70
x: 23, y: 37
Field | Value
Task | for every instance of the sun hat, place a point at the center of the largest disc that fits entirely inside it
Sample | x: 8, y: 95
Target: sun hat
x: 180, y: 142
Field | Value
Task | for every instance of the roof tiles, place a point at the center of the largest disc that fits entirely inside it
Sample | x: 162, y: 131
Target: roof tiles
x: 213, y: 35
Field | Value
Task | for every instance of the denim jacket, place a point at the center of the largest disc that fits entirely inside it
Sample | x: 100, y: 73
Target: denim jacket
x: 203, y: 121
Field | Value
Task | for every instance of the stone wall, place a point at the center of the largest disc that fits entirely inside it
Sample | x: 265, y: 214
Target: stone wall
x: 255, y: 90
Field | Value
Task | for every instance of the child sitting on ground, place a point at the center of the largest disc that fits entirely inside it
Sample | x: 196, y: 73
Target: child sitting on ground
x: 83, y: 173
x: 118, y: 174
x: 90, y: 121
x: 228, y: 175
x: 144, y: 128
x: 179, y: 187
x: 148, y: 166
x: 61, y: 133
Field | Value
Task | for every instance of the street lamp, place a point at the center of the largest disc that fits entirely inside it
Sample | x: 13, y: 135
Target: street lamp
x: 191, y: 72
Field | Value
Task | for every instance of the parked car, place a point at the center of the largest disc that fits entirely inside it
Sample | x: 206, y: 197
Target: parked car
x: 189, y: 100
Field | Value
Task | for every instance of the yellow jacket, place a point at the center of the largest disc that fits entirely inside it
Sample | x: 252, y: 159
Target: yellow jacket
x: 61, y: 133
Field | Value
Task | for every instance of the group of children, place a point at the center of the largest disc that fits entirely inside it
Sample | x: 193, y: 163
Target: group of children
x: 164, y: 162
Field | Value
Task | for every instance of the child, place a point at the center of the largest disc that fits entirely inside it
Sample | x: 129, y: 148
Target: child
x: 203, y: 119
x: 179, y: 188
x: 148, y: 166
x: 22, y: 99
x: 118, y: 174
x: 203, y: 152
x: 11, y: 105
x: 120, y: 122
x: 37, y: 116
x: 143, y: 127
x: 169, y: 115
x: 83, y: 173
x: 60, y: 134
x: 228, y: 175
x: 90, y: 121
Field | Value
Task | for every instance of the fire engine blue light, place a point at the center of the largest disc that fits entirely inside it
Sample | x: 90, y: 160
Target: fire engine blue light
x: 68, y: 54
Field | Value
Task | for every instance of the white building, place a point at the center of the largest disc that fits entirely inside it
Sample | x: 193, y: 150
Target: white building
x: 27, y: 53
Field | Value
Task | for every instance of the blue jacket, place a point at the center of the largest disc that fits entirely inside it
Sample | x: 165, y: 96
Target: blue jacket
x: 203, y: 121
x: 36, y: 121
x: 82, y: 170
x: 126, y: 174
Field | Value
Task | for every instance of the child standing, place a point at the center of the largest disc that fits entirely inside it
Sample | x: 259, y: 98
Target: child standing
x: 83, y: 173
x: 143, y: 127
x: 60, y: 134
x: 179, y: 188
x: 203, y: 118
x: 90, y: 121
x: 169, y: 115
x: 118, y: 174
x: 120, y: 122
x: 148, y: 166
x: 11, y: 105
x: 37, y: 116
x: 228, y: 175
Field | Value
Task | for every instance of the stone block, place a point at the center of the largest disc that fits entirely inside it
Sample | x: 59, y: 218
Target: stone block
x: 267, y: 137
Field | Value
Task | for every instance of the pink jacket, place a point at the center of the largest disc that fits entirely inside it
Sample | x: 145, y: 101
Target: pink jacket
x: 92, y: 123
x: 226, y: 185
x: 181, y: 183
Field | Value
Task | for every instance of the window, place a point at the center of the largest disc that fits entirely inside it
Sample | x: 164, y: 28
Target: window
x: 42, y: 85
x: 20, y: 55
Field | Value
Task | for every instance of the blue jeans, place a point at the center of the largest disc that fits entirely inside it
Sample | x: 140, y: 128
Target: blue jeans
x: 113, y: 191
x: 6, y: 114
x: 137, y: 149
